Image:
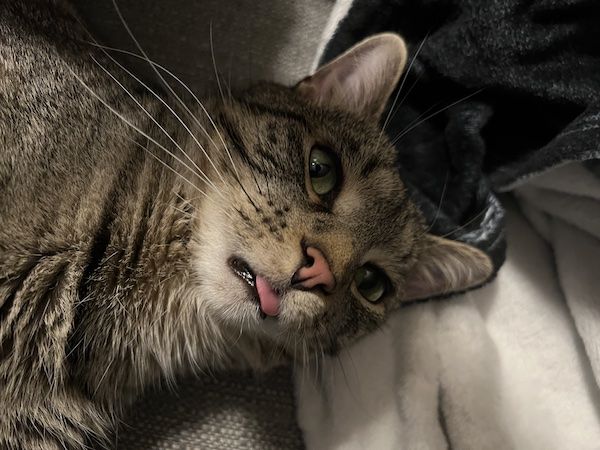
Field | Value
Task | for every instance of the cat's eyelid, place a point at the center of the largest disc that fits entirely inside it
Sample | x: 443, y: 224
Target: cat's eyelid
x: 377, y: 257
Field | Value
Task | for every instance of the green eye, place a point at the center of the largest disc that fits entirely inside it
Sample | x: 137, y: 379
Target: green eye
x: 370, y: 282
x: 322, y: 169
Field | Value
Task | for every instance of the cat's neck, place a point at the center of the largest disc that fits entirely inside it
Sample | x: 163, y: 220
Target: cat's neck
x: 137, y: 287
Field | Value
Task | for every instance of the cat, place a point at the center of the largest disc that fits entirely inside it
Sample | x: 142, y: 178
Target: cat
x: 139, y: 241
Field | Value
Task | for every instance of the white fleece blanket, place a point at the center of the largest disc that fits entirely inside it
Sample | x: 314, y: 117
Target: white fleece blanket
x: 515, y: 365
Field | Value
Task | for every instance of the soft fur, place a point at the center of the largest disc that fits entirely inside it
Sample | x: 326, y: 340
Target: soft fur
x: 114, y: 247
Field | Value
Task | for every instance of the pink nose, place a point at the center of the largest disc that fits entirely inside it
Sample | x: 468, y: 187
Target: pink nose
x: 315, y: 274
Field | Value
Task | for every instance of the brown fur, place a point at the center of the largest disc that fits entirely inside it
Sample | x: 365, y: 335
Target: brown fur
x: 113, y: 266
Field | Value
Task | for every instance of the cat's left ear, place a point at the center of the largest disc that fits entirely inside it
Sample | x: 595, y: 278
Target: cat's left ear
x: 360, y: 80
x: 444, y: 267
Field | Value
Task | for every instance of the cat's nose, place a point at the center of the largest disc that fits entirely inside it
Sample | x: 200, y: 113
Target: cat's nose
x: 315, y: 273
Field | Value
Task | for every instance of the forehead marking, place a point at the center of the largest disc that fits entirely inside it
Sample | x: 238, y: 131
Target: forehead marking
x: 370, y: 166
x: 259, y: 108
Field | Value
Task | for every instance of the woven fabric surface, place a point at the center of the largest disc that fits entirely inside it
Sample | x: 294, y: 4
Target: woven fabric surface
x: 227, y: 411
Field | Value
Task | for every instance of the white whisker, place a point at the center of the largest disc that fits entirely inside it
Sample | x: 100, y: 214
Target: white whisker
x: 154, y: 65
x: 168, y: 166
x: 103, y: 376
x: 212, y: 54
x: 397, y: 138
x: 186, y: 213
x: 127, y: 122
x: 137, y: 102
x: 439, y: 208
x: 466, y: 224
x: 188, y: 90
x: 391, y: 111
x: 172, y: 112
x: 412, y: 86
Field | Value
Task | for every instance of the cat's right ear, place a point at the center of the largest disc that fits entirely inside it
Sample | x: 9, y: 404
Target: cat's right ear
x: 360, y: 80
x: 445, y: 266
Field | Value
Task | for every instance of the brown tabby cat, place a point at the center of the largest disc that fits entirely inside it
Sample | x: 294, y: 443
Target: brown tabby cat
x: 136, y: 245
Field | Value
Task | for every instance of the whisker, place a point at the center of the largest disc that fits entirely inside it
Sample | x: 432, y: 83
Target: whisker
x: 167, y: 166
x: 256, y: 182
x: 229, y: 76
x: 439, y: 208
x: 420, y: 116
x: 412, y: 86
x: 346, y: 381
x: 397, y: 138
x: 134, y: 127
x: 186, y: 213
x: 201, y: 174
x: 268, y: 189
x: 172, y: 112
x: 466, y: 224
x: 212, y: 54
x: 413, y: 59
x: 248, y: 196
x: 103, y: 376
x: 182, y: 84
x: 154, y: 68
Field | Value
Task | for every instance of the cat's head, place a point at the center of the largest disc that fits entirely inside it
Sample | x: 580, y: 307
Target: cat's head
x: 310, y: 238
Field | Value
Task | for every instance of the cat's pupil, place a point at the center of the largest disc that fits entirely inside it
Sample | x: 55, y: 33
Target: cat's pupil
x: 369, y: 279
x: 318, y: 170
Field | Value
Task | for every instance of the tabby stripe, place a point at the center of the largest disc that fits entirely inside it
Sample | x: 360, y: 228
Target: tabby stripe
x: 138, y: 243
x: 266, y: 156
x: 102, y: 237
x: 259, y: 108
x: 369, y: 167
x: 238, y: 144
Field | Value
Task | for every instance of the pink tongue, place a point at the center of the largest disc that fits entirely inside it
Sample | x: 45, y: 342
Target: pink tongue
x: 269, y: 300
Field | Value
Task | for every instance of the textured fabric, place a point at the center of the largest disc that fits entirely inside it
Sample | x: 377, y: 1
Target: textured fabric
x: 227, y: 411
x: 251, y: 41
x: 564, y: 205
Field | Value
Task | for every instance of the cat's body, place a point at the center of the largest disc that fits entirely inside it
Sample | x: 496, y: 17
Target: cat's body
x: 91, y: 193
x: 118, y: 259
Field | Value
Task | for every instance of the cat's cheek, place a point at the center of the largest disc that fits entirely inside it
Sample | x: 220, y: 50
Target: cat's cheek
x: 222, y: 302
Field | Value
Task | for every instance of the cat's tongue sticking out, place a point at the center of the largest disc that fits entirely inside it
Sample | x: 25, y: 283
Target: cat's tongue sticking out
x: 269, y: 299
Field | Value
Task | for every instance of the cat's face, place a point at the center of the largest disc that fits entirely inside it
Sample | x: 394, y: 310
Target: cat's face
x: 322, y: 206
x: 311, y: 237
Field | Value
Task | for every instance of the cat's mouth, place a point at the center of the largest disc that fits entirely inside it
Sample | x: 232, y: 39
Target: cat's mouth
x: 261, y: 291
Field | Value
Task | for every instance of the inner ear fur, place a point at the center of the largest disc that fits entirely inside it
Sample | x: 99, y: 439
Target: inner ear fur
x: 444, y: 267
x: 361, y: 79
